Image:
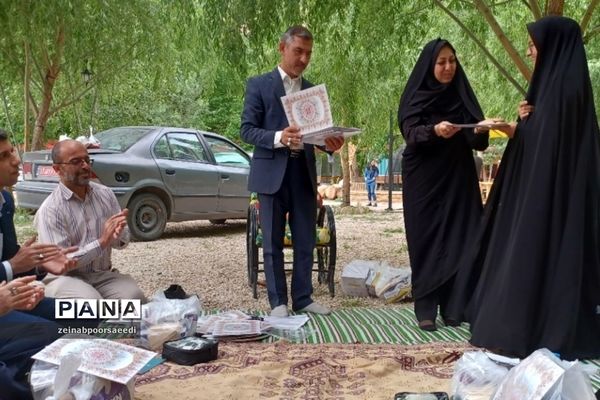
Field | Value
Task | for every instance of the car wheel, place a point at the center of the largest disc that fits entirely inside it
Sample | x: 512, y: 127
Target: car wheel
x: 147, y: 217
x: 217, y: 221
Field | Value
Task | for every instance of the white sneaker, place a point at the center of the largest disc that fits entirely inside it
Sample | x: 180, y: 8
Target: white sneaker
x: 316, y: 308
x: 280, y: 311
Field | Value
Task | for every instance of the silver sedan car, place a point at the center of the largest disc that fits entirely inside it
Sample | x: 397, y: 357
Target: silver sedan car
x: 160, y: 174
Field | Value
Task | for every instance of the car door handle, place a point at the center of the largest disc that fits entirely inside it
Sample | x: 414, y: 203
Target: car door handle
x: 170, y: 171
x: 225, y: 177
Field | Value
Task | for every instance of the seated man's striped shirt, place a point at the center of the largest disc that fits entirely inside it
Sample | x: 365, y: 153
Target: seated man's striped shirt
x: 66, y: 220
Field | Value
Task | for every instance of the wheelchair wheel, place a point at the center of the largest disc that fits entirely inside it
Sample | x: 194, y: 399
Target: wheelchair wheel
x: 326, y: 254
x: 248, y: 243
x: 322, y: 251
x: 252, y: 249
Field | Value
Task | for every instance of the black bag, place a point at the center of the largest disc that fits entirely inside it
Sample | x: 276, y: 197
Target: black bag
x: 191, y: 350
x: 175, y: 292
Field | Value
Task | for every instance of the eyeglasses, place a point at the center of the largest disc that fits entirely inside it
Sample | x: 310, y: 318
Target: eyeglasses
x: 78, y: 162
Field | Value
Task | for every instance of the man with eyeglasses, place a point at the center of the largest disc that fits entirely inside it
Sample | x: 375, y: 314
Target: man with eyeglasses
x: 86, y: 214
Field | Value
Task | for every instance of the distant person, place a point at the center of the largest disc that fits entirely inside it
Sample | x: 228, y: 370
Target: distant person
x: 538, y: 251
x: 441, y: 198
x: 371, y: 174
x: 84, y: 214
x: 283, y: 173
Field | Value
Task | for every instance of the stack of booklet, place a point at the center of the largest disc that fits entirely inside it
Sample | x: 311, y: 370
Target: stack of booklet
x: 237, y: 326
x: 309, y: 110
x: 233, y: 326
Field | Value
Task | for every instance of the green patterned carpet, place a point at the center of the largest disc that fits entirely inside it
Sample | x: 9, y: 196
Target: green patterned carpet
x: 376, y: 326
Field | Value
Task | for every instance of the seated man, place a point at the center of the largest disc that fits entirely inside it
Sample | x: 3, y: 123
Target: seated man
x: 25, y: 326
x: 84, y: 214
x: 22, y: 335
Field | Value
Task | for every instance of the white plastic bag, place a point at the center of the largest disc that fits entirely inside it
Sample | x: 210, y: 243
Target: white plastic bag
x: 543, y: 376
x: 51, y: 382
x: 476, y: 377
x: 575, y: 384
x: 168, y: 319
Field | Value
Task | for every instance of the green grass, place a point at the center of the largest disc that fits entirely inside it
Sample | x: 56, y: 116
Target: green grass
x: 350, y: 302
x: 396, y: 230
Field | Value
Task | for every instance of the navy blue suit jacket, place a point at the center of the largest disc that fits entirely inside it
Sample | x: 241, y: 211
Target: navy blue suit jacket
x: 10, y: 246
x: 7, y: 228
x: 262, y: 116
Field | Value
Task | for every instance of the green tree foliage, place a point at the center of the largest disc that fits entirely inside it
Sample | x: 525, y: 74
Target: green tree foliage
x: 55, y: 40
x: 185, y: 62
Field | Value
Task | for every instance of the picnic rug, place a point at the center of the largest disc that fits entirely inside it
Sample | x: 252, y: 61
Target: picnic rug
x: 355, y: 353
x: 306, y: 371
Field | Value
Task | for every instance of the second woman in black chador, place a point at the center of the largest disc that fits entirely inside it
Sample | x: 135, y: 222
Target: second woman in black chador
x: 538, y: 250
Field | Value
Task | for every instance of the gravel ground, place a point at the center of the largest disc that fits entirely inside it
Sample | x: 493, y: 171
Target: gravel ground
x: 210, y: 260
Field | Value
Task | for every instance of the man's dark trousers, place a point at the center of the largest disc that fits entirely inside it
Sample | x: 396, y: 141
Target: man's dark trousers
x: 297, y: 197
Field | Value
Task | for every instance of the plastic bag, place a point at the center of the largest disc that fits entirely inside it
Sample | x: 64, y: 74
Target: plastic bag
x: 50, y: 382
x: 543, y: 376
x: 168, y: 319
x: 575, y: 384
x: 301, y: 335
x: 387, y: 278
x: 476, y: 377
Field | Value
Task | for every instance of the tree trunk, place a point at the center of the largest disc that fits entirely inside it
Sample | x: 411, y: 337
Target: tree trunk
x: 52, y: 72
x: 555, y: 7
x: 346, y: 176
x: 506, y: 43
x: 41, y: 119
x: 26, y: 81
x: 354, y: 168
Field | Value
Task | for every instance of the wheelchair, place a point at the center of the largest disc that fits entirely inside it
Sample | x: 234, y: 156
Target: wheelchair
x: 326, y: 246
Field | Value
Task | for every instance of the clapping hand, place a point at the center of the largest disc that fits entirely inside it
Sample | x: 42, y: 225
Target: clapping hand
x: 31, y: 254
x: 20, y: 294
x: 62, y: 263
x: 113, y: 227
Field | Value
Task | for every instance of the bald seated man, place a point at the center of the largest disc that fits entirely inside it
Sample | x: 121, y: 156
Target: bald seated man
x: 87, y: 215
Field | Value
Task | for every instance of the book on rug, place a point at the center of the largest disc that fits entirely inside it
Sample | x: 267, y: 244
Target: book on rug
x: 99, y: 357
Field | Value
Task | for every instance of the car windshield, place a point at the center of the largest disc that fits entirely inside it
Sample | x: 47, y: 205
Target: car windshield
x: 120, y: 139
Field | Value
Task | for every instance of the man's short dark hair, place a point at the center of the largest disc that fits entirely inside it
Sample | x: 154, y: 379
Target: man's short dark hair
x: 3, y: 135
x: 296, y: 30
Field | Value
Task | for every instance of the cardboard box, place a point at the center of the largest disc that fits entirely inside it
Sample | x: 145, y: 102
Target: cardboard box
x: 354, y: 278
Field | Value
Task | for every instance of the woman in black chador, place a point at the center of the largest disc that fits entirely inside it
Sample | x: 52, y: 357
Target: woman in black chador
x: 539, y: 247
x: 442, y: 203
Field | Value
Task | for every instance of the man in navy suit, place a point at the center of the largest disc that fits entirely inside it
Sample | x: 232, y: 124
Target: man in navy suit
x: 25, y: 315
x: 283, y: 173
